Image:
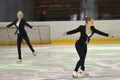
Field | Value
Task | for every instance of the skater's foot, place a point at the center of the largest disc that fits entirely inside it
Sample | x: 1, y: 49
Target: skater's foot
x: 34, y: 53
x: 83, y: 72
x: 19, y: 61
x: 75, y: 74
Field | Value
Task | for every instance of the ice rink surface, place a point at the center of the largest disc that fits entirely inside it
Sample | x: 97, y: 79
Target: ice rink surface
x: 56, y: 62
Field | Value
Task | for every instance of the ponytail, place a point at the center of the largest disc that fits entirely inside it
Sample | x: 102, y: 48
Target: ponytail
x: 87, y: 18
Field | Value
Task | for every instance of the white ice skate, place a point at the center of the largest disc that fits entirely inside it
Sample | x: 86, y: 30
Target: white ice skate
x: 75, y: 74
x: 34, y: 53
x: 19, y: 61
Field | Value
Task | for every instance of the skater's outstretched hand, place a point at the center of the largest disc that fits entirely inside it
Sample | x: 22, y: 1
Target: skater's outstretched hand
x: 111, y: 36
x: 64, y: 34
x: 34, y: 28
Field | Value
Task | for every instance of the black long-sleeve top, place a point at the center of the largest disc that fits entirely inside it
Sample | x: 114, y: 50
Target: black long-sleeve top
x: 84, y: 37
x: 21, y: 26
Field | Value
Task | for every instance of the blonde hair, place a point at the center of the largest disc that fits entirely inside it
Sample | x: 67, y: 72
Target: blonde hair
x: 20, y: 13
x: 88, y: 19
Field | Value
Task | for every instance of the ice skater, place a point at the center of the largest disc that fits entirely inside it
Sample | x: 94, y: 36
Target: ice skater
x: 87, y: 32
x: 21, y: 34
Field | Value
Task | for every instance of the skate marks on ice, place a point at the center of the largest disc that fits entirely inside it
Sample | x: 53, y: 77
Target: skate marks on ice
x: 36, y: 75
x: 57, y: 63
x: 33, y: 75
x: 102, y: 77
x: 102, y: 74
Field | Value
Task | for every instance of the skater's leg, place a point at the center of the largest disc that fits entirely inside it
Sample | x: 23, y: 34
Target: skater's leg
x: 30, y: 46
x: 83, y: 58
x: 79, y: 50
x: 19, y: 41
x: 80, y: 61
x: 28, y: 43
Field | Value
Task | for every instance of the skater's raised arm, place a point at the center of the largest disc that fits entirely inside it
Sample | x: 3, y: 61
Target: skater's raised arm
x: 72, y: 31
x: 27, y: 24
x: 11, y: 24
x: 101, y: 33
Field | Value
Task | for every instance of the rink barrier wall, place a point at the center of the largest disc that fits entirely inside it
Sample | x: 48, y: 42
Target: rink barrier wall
x: 57, y: 28
x: 92, y: 41
x: 71, y: 41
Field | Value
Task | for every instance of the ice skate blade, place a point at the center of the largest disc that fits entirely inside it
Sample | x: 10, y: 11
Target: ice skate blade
x: 84, y: 74
x: 19, y: 61
x: 35, y: 53
x: 75, y: 77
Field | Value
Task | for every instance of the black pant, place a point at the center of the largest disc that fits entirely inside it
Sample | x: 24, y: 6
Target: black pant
x: 19, y: 41
x: 82, y: 51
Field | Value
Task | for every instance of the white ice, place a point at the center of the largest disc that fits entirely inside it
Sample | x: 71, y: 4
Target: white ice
x: 57, y: 62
